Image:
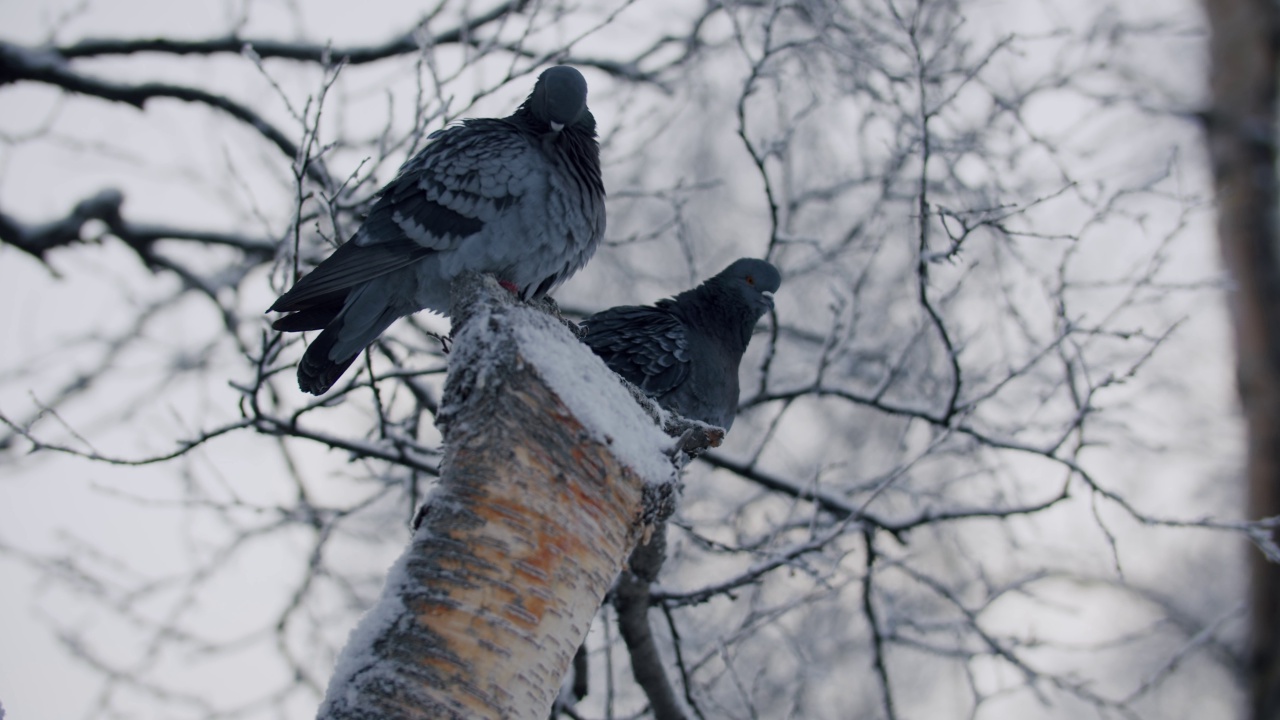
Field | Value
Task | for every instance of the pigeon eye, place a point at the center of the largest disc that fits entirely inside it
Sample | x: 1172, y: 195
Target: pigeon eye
x: 751, y: 280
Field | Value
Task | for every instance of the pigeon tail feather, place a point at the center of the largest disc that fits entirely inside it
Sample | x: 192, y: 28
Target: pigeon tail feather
x: 316, y: 372
x: 365, y: 317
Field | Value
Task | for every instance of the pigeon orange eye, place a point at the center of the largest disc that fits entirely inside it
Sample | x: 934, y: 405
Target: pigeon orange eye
x: 751, y: 280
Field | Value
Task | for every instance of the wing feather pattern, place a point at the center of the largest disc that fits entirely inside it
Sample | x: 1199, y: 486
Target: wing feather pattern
x: 645, y: 345
x: 348, y: 266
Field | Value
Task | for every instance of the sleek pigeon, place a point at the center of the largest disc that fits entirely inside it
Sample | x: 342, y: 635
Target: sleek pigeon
x: 519, y: 197
x: 684, y: 352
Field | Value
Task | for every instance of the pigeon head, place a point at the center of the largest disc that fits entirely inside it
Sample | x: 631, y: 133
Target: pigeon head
x: 755, y: 280
x: 559, y: 98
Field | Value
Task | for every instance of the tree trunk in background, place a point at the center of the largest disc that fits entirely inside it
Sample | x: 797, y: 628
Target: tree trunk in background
x: 1242, y: 135
x: 631, y: 596
x: 517, y: 546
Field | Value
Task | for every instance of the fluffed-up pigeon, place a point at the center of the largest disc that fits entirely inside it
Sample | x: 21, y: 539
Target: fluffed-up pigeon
x: 684, y: 352
x: 519, y: 197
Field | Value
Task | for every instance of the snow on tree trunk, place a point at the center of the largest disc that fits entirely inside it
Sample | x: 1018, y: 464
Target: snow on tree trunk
x: 550, y: 468
x: 1242, y: 146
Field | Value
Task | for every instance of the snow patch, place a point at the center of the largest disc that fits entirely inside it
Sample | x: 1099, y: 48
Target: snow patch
x: 596, y: 396
x: 494, y: 325
x: 358, y: 656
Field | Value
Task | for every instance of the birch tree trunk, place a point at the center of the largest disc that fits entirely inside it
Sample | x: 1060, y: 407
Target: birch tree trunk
x: 1242, y: 142
x: 549, y: 467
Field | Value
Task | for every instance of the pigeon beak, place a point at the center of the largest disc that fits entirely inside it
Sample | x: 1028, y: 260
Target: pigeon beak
x: 768, y: 297
x: 556, y: 126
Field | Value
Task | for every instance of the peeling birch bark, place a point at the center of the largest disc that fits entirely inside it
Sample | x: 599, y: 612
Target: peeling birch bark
x: 531, y: 522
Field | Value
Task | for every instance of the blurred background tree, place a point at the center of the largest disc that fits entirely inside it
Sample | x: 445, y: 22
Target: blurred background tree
x: 1240, y: 126
x: 987, y: 461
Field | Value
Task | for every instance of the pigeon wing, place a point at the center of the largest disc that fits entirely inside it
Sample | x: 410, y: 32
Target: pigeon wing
x: 647, y: 346
x: 466, y: 178
x: 350, y: 265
